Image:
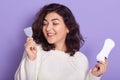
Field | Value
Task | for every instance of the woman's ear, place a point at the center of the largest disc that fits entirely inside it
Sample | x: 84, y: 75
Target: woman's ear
x: 67, y: 31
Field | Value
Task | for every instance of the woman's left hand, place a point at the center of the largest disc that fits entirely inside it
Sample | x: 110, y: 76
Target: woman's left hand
x: 100, y: 68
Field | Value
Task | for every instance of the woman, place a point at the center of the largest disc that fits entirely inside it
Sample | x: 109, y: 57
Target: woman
x: 53, y: 51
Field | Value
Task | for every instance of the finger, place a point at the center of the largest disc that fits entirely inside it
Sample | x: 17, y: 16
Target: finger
x: 29, y: 39
x: 98, y: 67
x: 103, y: 68
x: 106, y: 61
x: 30, y: 45
x: 34, y: 50
x: 95, y: 68
x: 101, y: 62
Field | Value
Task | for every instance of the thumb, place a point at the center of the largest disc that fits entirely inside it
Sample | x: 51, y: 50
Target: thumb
x: 96, y: 68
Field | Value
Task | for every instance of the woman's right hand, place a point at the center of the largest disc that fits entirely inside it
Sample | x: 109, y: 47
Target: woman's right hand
x: 30, y: 48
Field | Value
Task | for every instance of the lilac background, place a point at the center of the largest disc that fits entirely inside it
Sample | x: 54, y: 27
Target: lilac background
x: 98, y: 19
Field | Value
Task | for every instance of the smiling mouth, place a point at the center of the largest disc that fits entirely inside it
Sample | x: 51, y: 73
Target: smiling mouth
x: 51, y: 34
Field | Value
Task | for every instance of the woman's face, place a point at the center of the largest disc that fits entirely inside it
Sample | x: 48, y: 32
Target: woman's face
x: 54, y: 29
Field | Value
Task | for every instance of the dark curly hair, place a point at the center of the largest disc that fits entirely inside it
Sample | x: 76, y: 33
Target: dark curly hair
x: 74, y: 39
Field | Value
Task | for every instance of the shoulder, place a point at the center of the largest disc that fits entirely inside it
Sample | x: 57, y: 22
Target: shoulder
x: 80, y: 56
x: 81, y: 60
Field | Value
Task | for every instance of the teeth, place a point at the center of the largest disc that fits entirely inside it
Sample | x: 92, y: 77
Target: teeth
x: 50, y: 34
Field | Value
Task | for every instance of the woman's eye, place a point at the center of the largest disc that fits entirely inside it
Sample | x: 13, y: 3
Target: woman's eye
x: 55, y: 23
x: 44, y: 24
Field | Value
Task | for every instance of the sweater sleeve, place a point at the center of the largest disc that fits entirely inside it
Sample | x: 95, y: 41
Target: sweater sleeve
x: 83, y: 65
x: 27, y: 69
x: 90, y: 76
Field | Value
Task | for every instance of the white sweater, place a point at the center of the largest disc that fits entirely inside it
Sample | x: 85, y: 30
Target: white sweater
x: 54, y: 65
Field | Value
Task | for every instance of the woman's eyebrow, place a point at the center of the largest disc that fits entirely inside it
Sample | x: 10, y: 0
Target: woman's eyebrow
x: 52, y: 19
x: 55, y: 19
x: 44, y: 20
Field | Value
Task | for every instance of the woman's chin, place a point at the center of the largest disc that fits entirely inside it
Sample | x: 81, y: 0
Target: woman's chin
x: 50, y: 42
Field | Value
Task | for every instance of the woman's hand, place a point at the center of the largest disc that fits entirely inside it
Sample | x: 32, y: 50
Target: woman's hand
x: 30, y: 48
x: 100, y: 68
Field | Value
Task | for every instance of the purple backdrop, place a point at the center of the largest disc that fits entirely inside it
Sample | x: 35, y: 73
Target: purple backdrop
x: 98, y: 19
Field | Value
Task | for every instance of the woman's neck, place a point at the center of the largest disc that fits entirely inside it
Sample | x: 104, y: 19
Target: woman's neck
x: 60, y: 47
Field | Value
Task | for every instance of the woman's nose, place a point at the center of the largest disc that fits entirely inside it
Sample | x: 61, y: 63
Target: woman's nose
x: 49, y: 27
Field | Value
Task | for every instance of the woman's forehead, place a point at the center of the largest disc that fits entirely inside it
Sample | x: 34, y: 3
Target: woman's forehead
x: 53, y: 16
